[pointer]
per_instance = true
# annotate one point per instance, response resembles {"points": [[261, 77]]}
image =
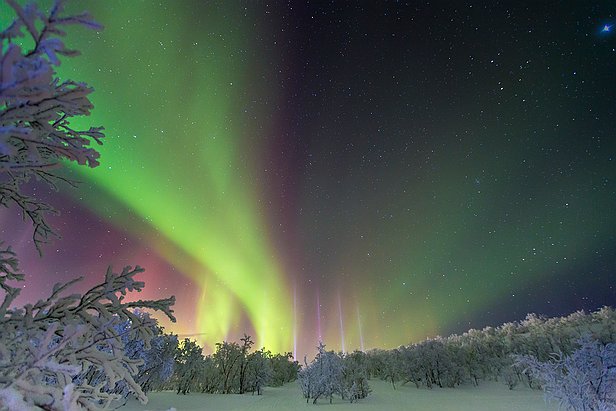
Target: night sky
{"points": [[365, 174]]}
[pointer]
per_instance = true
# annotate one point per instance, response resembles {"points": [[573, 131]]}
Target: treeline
{"points": [[234, 368], [498, 354], [489, 354], [516, 352]]}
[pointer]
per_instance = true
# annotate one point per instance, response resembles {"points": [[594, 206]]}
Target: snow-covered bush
{"points": [[582, 381], [355, 376], [386, 365], [259, 370], [46, 345], [158, 362], [208, 377], [284, 369]]}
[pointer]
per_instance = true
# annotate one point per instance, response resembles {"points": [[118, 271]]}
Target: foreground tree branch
{"points": [[35, 111]]}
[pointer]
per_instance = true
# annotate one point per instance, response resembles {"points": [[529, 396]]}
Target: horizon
{"points": [[370, 349]]}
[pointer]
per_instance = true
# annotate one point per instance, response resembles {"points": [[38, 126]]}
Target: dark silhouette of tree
{"points": [[247, 344], [227, 359], [188, 359]]}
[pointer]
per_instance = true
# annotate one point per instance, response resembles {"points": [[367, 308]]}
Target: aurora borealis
{"points": [[368, 175]]}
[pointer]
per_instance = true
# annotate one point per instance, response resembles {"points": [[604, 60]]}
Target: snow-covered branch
{"points": [[46, 345], [36, 108]]}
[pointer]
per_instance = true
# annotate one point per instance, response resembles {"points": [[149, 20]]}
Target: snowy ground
{"points": [[488, 397]]}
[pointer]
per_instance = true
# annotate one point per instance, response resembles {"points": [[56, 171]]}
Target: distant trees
{"points": [[580, 375], [355, 376], [188, 365], [488, 354], [231, 369], [283, 369], [259, 371], [586, 374]]}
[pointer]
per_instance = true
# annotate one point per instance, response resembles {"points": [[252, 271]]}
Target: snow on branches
{"points": [[44, 346], [582, 381], [331, 373], [69, 351], [36, 108]]}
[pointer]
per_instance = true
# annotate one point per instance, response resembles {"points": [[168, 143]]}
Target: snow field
{"points": [[489, 396]]}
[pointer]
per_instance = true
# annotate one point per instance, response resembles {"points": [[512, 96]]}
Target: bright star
{"points": [[607, 28]]}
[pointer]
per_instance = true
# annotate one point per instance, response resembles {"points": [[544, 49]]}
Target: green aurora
{"points": [[240, 179]]}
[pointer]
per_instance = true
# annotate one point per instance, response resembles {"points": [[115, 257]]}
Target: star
{"points": [[607, 28]]}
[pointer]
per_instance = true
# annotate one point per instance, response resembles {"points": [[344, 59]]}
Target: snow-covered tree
{"points": [[468, 350], [66, 352], [355, 376], [188, 363], [323, 377], [36, 108], [603, 324], [329, 374], [284, 369], [158, 361], [582, 381], [243, 359], [259, 370], [390, 363], [208, 377], [307, 380], [411, 366], [46, 345], [227, 359]]}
